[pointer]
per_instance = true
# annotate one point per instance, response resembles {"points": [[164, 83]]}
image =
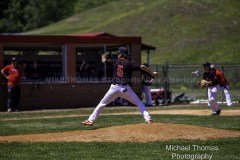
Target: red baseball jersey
{"points": [[14, 75], [221, 78]]}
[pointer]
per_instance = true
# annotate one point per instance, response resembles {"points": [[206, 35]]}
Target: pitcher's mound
{"points": [[133, 133]]}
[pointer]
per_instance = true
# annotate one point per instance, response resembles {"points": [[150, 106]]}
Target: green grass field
{"points": [[41, 122], [184, 31], [228, 149]]}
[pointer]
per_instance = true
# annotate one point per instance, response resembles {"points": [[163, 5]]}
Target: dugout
{"points": [[64, 71]]}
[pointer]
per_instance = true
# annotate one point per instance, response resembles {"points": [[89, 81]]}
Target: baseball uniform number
{"points": [[120, 71]]}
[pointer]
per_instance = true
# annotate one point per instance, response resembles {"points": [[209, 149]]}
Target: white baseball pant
{"points": [[114, 92], [227, 95], [148, 95], [212, 97]]}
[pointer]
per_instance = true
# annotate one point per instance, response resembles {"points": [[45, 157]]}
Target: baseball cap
{"points": [[123, 50], [206, 64], [212, 66]]}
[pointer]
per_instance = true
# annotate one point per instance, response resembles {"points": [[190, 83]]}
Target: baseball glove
{"points": [[204, 83]]}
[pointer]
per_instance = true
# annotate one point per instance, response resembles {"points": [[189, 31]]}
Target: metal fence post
{"points": [[105, 65], [157, 79], [165, 83], [220, 86]]}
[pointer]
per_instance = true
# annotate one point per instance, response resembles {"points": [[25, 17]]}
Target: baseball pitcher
{"points": [[122, 71]]}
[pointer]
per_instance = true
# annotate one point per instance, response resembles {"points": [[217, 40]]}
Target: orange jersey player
{"points": [[13, 74], [224, 83]]}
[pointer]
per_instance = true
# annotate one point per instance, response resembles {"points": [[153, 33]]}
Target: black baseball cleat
{"points": [[150, 121], [218, 112], [87, 123]]}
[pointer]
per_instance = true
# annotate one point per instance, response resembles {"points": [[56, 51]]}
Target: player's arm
{"points": [[3, 72], [151, 80], [214, 80], [106, 59], [148, 71]]}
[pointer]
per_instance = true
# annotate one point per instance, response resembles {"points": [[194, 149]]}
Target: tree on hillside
{"points": [[23, 15], [13, 16], [3, 5]]}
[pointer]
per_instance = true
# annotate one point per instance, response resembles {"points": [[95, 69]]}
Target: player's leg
{"points": [[148, 95], [131, 96], [209, 96], [213, 100], [227, 95], [108, 98], [16, 98], [10, 98]]}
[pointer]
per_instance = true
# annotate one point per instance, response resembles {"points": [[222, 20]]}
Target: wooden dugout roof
{"points": [[68, 39], [41, 41], [68, 45]]}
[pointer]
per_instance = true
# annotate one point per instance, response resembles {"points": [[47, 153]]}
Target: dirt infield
{"points": [[129, 133], [197, 112]]}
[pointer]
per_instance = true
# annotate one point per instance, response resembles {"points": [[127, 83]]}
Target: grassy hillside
{"points": [[184, 31]]}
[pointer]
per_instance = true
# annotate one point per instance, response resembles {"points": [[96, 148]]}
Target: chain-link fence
{"points": [[182, 78]]}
